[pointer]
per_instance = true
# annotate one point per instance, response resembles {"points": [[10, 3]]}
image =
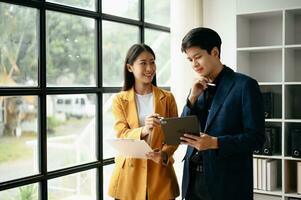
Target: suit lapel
{"points": [[223, 90], [189, 151]]}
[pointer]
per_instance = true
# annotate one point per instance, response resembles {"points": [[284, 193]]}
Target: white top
{"points": [[145, 106]]}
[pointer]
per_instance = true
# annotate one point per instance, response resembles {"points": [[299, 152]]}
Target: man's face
{"points": [[203, 64]]}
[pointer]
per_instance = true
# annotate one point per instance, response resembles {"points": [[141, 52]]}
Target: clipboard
{"points": [[130, 148], [174, 128]]}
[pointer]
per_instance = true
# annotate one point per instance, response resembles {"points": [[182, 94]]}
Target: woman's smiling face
{"points": [[143, 68]]}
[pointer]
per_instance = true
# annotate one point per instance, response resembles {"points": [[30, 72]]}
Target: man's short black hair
{"points": [[202, 37]]}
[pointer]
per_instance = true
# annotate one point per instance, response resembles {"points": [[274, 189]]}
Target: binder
{"points": [[296, 142], [259, 174], [272, 143], [271, 175], [264, 174], [268, 104], [255, 169], [299, 177], [257, 151]]}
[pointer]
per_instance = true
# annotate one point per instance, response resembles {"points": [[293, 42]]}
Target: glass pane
{"points": [[124, 8], [70, 130], [79, 186], [117, 39], [18, 137], [108, 129], [70, 50], [157, 12], [107, 173], [18, 46], [27, 192], [86, 4], [160, 43]]}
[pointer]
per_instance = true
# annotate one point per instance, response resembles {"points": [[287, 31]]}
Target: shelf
{"points": [[266, 196], [293, 46], [276, 193], [273, 120], [270, 83], [269, 50], [292, 158], [292, 83], [254, 63], [293, 120], [277, 157], [260, 49], [288, 128], [293, 63], [292, 102], [259, 29], [290, 176], [276, 100], [295, 195], [293, 26]]}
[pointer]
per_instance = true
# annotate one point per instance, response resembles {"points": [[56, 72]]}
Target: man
{"points": [[218, 163]]}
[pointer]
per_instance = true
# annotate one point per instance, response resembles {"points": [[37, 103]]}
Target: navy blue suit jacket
{"points": [[236, 118]]}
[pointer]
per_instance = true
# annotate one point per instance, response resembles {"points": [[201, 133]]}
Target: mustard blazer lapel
{"points": [[159, 101], [131, 111]]}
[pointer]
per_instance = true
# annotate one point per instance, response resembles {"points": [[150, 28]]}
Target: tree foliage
{"points": [[70, 45], [18, 45], [70, 49]]}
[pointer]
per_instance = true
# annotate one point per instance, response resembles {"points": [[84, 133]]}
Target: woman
{"points": [[137, 110]]}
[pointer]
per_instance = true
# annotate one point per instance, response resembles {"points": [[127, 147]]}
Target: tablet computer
{"points": [[174, 128]]}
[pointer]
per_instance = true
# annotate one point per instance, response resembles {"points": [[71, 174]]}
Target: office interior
{"points": [[61, 63]]}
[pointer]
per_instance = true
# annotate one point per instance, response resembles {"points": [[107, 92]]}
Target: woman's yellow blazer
{"points": [[133, 178]]}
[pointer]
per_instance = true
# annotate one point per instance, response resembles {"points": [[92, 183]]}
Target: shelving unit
{"points": [[269, 50]]}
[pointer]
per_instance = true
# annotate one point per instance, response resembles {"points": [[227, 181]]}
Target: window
{"points": [[70, 50], [116, 36], [61, 64]]}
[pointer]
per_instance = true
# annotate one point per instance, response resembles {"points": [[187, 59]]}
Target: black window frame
{"points": [[41, 91]]}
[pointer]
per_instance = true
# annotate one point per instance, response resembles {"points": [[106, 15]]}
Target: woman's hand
{"points": [[150, 123], [158, 156]]}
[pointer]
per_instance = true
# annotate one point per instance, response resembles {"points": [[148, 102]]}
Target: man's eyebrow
{"points": [[196, 54]]}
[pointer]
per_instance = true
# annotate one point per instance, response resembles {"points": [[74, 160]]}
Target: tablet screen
{"points": [[174, 128]]}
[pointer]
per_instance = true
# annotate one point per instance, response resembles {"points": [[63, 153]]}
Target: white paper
{"points": [[130, 147]]}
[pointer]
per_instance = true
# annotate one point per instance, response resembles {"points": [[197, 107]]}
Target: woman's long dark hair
{"points": [[131, 56]]}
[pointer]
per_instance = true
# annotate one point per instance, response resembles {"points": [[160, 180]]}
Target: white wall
{"points": [[185, 15], [220, 15]]}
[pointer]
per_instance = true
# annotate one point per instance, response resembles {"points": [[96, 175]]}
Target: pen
{"points": [[211, 84]]}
